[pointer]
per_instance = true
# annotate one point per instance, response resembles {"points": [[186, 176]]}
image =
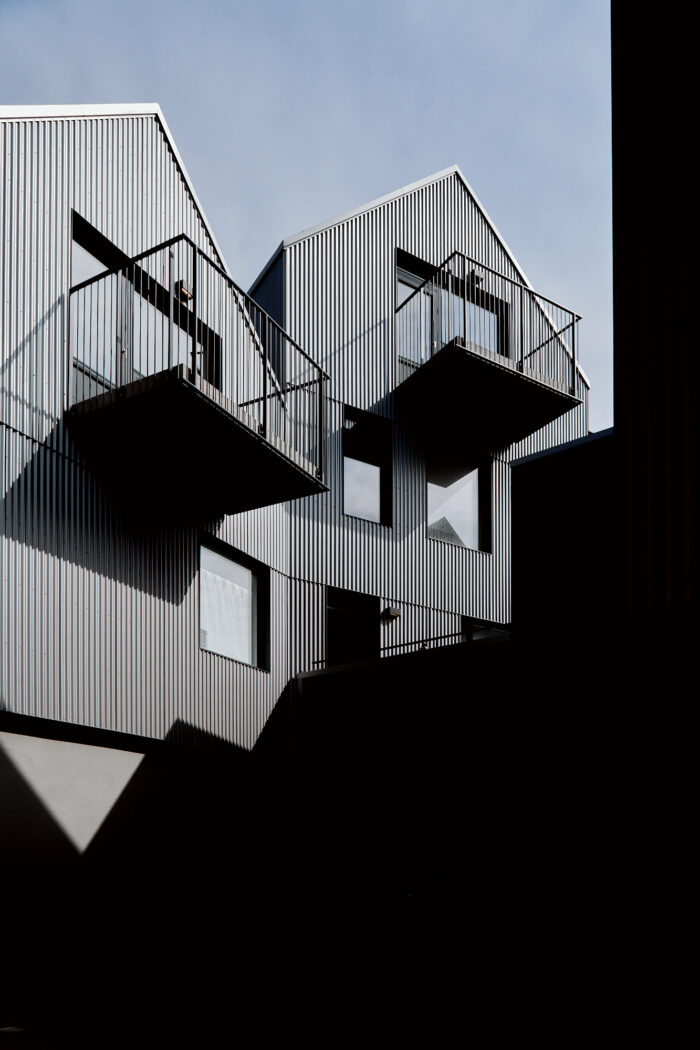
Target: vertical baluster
{"points": [[171, 258], [194, 314], [320, 427], [464, 298], [90, 289], [265, 346], [573, 354]]}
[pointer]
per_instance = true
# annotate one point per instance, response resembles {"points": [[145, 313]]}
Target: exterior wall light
{"points": [[182, 292], [391, 613]]}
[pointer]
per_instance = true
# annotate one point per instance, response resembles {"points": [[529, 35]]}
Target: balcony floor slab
{"points": [[169, 448], [466, 403]]}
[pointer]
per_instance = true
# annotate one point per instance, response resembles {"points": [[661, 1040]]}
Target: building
{"points": [[110, 501], [208, 493]]}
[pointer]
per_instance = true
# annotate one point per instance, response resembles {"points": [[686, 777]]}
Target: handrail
{"points": [[497, 313], [422, 643], [289, 389], [215, 266], [496, 273], [554, 335], [171, 305]]}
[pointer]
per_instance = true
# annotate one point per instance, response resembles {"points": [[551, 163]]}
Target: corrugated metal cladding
{"points": [[99, 626], [120, 175], [339, 304]]}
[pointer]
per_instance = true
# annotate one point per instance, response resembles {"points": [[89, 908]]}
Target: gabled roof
{"points": [[404, 191], [410, 188], [125, 109]]}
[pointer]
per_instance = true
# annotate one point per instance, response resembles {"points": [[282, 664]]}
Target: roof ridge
{"points": [[453, 170]]}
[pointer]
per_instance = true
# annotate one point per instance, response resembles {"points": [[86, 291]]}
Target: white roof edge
{"points": [[303, 234], [107, 109], [125, 109], [508, 252], [454, 169], [372, 204]]}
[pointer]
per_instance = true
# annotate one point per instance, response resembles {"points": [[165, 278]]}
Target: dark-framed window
{"points": [[416, 330], [460, 513], [411, 272], [452, 304], [234, 604], [367, 466], [91, 251], [486, 316], [152, 302]]}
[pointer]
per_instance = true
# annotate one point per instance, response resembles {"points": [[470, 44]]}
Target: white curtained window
{"points": [[227, 607]]}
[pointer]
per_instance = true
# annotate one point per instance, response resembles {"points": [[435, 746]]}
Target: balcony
{"points": [[481, 362], [186, 397]]}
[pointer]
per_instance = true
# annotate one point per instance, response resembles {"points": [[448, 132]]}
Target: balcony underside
{"points": [[466, 403], [171, 449]]}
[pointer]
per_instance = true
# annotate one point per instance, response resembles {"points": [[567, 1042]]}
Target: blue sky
{"points": [[287, 114]]}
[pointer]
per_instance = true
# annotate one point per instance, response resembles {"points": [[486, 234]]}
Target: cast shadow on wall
{"points": [[57, 506]]}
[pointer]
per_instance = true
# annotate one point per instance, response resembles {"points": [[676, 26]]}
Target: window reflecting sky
{"points": [[361, 489], [83, 265], [453, 511]]}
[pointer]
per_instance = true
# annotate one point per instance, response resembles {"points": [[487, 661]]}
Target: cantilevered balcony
{"points": [[187, 398], [481, 362]]}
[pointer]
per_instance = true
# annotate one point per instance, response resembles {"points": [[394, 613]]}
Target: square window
{"points": [[361, 489], [233, 600], [461, 513]]}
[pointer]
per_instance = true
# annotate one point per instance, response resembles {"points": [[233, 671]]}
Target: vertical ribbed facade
{"points": [[99, 622], [340, 289]]}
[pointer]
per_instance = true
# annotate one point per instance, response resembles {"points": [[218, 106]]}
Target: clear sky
{"points": [[288, 113]]}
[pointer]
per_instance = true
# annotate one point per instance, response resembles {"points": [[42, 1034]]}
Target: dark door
{"points": [[352, 626]]}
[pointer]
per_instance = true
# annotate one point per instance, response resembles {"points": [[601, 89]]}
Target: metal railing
{"points": [[172, 307], [479, 632], [491, 314]]}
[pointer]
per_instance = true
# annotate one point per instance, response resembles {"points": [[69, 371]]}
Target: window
{"points": [[362, 489], [233, 606], [367, 466], [406, 284], [96, 366], [460, 513], [451, 304], [144, 297], [482, 326], [415, 331], [83, 264]]}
